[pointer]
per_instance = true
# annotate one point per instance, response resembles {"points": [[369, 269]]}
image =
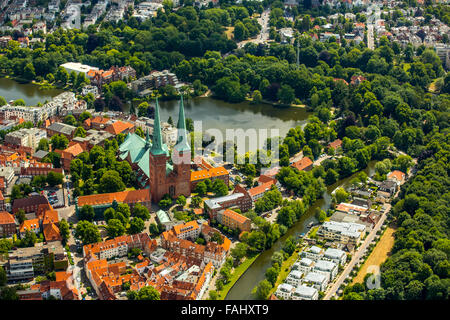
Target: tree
{"points": [[200, 188], [54, 178], [43, 145], [286, 94], [64, 229], [111, 182], [70, 120], [181, 200], [115, 228], [262, 289], [87, 213], [29, 239], [148, 293], [137, 225], [239, 251], [59, 142], [9, 293], [140, 211], [219, 188], [80, 132], [3, 278], [272, 275], [29, 72], [20, 215], [321, 216], [331, 177], [341, 195]]}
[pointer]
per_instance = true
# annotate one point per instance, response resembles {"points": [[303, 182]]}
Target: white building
{"points": [[314, 253], [337, 256], [294, 278], [303, 292], [78, 67], [284, 291], [317, 280], [26, 137], [304, 265], [343, 232], [327, 268]]}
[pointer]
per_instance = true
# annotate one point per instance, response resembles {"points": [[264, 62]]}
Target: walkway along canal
{"points": [[255, 273]]}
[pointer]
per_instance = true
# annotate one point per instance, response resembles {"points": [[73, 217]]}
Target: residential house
{"points": [[7, 224], [314, 253], [316, 280], [234, 220], [303, 292], [304, 164]]}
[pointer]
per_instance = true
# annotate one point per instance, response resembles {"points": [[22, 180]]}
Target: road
{"points": [[263, 37], [373, 13], [356, 257]]}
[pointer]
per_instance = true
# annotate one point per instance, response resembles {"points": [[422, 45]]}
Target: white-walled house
{"points": [[303, 292]]}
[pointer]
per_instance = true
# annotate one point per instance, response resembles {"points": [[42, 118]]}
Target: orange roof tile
{"points": [[29, 225], [208, 173], [188, 226], [74, 149], [119, 127], [6, 218], [235, 216], [121, 197], [396, 174], [261, 188], [302, 163], [51, 232]]}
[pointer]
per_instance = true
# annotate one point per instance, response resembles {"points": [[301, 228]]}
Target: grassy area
{"points": [[238, 272], [313, 232], [285, 269], [229, 32], [379, 254]]}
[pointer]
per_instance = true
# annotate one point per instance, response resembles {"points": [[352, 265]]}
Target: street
{"points": [[263, 20], [355, 258]]}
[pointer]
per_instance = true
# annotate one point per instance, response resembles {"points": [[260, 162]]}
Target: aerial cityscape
{"points": [[224, 150]]}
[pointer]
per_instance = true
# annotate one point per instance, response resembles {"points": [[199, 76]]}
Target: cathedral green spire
{"points": [[182, 140], [147, 140], [157, 145]]}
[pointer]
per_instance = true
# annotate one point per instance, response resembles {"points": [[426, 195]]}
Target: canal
{"points": [[31, 93], [256, 272]]}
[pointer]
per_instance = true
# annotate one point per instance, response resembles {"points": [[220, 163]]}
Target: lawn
{"points": [[285, 269], [229, 32], [237, 273], [379, 254]]}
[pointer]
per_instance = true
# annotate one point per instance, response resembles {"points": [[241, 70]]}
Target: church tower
{"points": [[158, 158], [181, 157]]}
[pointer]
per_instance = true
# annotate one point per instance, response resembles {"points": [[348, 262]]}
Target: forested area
{"points": [[418, 267]]}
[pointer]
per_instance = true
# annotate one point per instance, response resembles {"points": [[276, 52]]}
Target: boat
{"points": [[310, 224]]}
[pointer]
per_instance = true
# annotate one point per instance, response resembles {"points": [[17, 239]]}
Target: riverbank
{"points": [[284, 270], [238, 272]]}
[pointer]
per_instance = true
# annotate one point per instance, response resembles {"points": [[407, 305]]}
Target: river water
{"points": [[29, 92], [253, 275]]}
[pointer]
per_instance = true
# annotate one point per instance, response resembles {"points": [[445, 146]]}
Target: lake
{"points": [[29, 92], [223, 115]]}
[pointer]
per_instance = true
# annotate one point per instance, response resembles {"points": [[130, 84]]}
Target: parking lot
{"points": [[55, 197]]}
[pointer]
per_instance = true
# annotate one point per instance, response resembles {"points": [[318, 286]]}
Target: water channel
{"points": [[255, 273]]}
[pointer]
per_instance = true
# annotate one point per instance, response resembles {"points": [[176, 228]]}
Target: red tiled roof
{"points": [[121, 197], [302, 163], [119, 127], [208, 173], [6, 218]]}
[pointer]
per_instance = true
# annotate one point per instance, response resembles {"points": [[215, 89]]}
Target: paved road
{"points": [[356, 257], [263, 37]]}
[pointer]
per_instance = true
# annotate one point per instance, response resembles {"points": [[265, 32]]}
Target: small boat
{"points": [[310, 224]]}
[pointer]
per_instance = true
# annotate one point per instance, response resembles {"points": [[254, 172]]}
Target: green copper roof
{"points": [[158, 147], [182, 141]]}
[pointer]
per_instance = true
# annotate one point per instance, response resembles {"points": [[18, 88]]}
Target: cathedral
{"points": [[155, 167]]}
